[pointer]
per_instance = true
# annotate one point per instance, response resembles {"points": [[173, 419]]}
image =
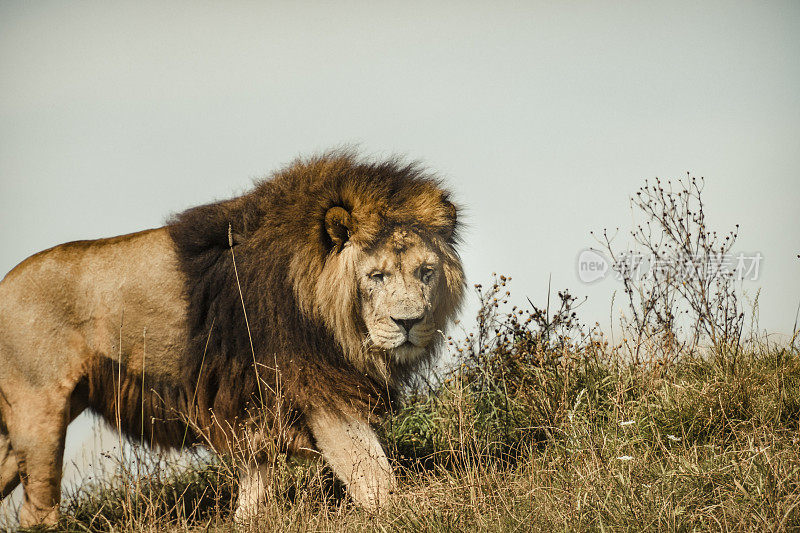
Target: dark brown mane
{"points": [[280, 247]]}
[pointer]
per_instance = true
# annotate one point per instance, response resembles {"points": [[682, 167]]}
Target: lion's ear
{"points": [[339, 225], [451, 216]]}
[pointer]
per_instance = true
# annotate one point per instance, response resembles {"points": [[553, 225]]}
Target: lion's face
{"points": [[384, 292], [397, 285]]}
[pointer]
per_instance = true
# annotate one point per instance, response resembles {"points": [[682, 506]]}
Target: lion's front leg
{"points": [[253, 479], [351, 448]]}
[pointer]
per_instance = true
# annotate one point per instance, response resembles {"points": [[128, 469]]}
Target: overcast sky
{"points": [[544, 117]]}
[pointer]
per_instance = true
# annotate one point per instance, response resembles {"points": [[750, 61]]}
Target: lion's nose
{"points": [[406, 323]]}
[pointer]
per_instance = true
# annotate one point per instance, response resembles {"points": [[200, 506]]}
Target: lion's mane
{"points": [[303, 333]]}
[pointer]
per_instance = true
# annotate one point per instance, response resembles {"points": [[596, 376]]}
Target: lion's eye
{"points": [[425, 274], [377, 276]]}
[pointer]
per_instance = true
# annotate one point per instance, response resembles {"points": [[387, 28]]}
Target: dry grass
{"points": [[529, 432]]}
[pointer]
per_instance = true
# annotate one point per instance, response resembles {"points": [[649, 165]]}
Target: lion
{"points": [[288, 318]]}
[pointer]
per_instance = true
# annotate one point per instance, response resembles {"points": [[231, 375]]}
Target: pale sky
{"points": [[544, 117]]}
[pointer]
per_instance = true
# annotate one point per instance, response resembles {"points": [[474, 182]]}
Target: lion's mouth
{"points": [[407, 352], [405, 343]]}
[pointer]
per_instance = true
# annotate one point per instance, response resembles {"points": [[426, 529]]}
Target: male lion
{"points": [[288, 316]]}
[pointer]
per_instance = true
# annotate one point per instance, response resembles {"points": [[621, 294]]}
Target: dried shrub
{"points": [[688, 292]]}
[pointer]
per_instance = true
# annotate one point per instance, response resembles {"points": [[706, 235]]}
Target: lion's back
{"points": [[76, 300]]}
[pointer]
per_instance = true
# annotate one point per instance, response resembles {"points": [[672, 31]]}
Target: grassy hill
{"points": [[532, 429]]}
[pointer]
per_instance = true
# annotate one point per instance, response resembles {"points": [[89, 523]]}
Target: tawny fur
{"points": [[149, 329]]}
